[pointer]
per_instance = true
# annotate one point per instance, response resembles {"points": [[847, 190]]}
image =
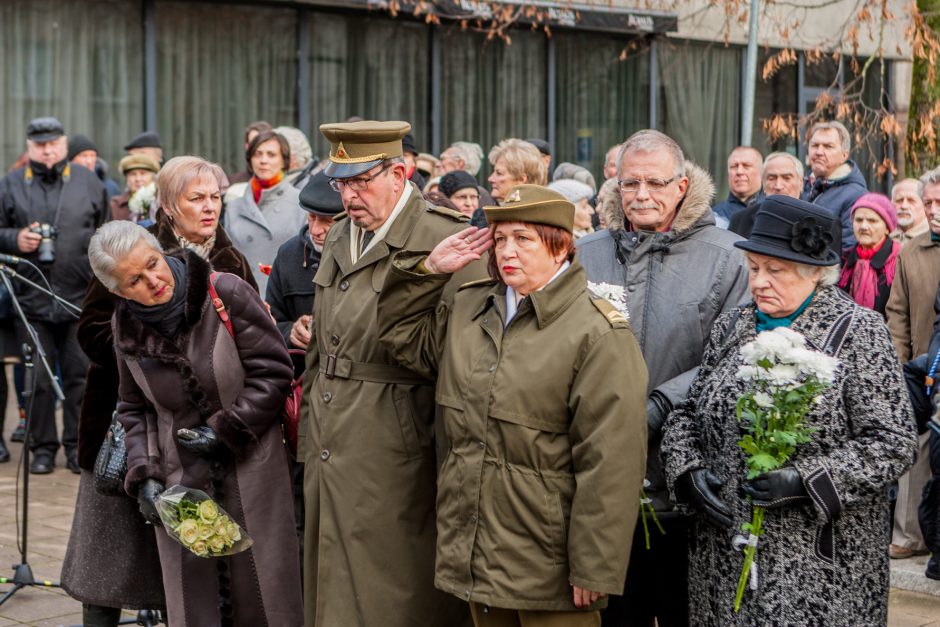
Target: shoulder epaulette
{"points": [[449, 213], [613, 315], [477, 283]]}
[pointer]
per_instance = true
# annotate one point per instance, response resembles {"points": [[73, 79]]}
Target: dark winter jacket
{"points": [[96, 339], [673, 285], [837, 194], [821, 561], [728, 208], [235, 383], [290, 287], [73, 200]]}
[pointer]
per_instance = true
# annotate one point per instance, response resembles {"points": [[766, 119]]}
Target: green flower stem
{"points": [[757, 522], [647, 505]]}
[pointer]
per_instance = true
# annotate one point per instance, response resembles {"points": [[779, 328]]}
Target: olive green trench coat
{"points": [[546, 417], [367, 441]]}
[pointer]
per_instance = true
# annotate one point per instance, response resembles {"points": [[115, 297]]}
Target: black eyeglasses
{"points": [[359, 184]]}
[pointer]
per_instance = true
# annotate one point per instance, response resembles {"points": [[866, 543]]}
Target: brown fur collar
{"points": [[697, 202]]}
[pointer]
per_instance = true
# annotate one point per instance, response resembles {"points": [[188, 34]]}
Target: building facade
{"points": [[582, 77]]}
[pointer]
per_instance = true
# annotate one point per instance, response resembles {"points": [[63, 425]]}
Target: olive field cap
{"points": [[357, 147], [534, 204]]}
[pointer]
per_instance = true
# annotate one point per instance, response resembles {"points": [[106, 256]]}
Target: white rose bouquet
{"points": [[197, 522], [784, 379], [141, 201]]}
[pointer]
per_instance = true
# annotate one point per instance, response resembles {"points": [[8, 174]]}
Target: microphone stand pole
{"points": [[22, 572]]}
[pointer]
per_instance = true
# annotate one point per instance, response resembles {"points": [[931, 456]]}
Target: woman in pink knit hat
{"points": [[868, 269]]}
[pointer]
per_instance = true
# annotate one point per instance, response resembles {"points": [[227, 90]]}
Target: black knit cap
{"points": [[79, 144], [148, 139], [453, 182], [408, 144], [792, 229], [317, 197]]}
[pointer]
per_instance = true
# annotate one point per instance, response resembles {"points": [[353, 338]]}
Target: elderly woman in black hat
{"points": [[822, 557], [542, 389]]}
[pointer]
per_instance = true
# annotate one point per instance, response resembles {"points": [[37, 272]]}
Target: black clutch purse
{"points": [[111, 464]]}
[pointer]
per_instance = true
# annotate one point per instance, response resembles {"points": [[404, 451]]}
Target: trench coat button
{"points": [[473, 518], [324, 454], [250, 238], [492, 369], [631, 288], [327, 397], [481, 444], [467, 594], [344, 285], [334, 340]]}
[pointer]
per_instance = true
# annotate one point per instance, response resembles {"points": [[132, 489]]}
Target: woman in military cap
{"points": [[534, 499]]}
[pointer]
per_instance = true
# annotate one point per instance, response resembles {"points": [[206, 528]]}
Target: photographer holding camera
{"points": [[48, 212]]}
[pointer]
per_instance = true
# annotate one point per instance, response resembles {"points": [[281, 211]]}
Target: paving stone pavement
{"points": [[52, 501]]}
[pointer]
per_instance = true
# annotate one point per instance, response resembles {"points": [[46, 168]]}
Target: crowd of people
{"points": [[519, 398]]}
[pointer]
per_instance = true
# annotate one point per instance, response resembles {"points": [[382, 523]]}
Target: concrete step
{"points": [[908, 574]]}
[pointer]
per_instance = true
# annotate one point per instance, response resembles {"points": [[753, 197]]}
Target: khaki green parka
{"points": [[367, 441], [546, 419]]}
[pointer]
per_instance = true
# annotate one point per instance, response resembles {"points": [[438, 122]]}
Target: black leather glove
{"points": [[657, 409], [205, 443], [696, 488], [147, 499], [775, 489]]}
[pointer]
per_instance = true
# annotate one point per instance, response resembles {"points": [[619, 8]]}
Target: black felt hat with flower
{"points": [[792, 229]]}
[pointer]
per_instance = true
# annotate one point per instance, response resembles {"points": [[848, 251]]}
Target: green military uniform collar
{"points": [[549, 302]]}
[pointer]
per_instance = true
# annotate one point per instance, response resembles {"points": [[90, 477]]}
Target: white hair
{"points": [[824, 275], [470, 153], [797, 164], [648, 141], [844, 136], [931, 177], [300, 150], [917, 183], [111, 243]]}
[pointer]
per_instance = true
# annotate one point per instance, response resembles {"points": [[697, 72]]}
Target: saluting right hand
{"points": [[457, 251]]}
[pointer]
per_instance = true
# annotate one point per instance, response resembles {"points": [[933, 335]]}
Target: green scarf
{"points": [[767, 323]]}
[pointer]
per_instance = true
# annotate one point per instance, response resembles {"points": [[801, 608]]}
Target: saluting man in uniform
{"points": [[367, 432]]}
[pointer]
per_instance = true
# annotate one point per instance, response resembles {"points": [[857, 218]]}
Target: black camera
{"points": [[47, 246]]}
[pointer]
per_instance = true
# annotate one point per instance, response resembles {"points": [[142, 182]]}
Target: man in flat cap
{"points": [[49, 210], [146, 143], [367, 432]]}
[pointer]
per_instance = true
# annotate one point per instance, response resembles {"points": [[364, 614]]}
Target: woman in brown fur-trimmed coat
{"points": [[180, 368], [103, 579]]}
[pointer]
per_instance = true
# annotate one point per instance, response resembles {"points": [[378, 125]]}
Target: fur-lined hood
{"points": [[697, 202]]}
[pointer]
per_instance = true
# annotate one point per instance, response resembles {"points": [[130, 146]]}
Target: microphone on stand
{"points": [[10, 259]]}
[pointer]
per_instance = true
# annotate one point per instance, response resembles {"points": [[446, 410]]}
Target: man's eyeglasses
{"points": [[359, 184], [632, 186]]}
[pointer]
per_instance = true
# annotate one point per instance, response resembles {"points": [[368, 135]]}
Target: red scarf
{"points": [[257, 185], [862, 279]]}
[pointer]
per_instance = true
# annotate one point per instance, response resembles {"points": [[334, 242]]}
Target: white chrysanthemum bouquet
{"points": [[141, 201], [197, 522], [784, 379]]}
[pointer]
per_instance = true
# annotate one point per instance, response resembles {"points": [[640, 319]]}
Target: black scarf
{"points": [[167, 318]]}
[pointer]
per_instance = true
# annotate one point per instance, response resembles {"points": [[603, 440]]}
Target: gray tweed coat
{"points": [[824, 562]]}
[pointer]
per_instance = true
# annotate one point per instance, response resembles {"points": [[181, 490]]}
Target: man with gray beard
{"points": [[912, 217], [671, 271]]}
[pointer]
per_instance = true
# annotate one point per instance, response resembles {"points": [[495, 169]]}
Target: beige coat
{"points": [[367, 440], [547, 423], [910, 307]]}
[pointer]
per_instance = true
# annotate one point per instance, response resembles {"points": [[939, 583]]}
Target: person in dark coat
{"points": [[84, 152], [835, 181], [182, 367], [71, 202], [821, 557], [290, 289], [102, 579], [744, 181], [868, 268], [928, 511], [410, 155]]}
